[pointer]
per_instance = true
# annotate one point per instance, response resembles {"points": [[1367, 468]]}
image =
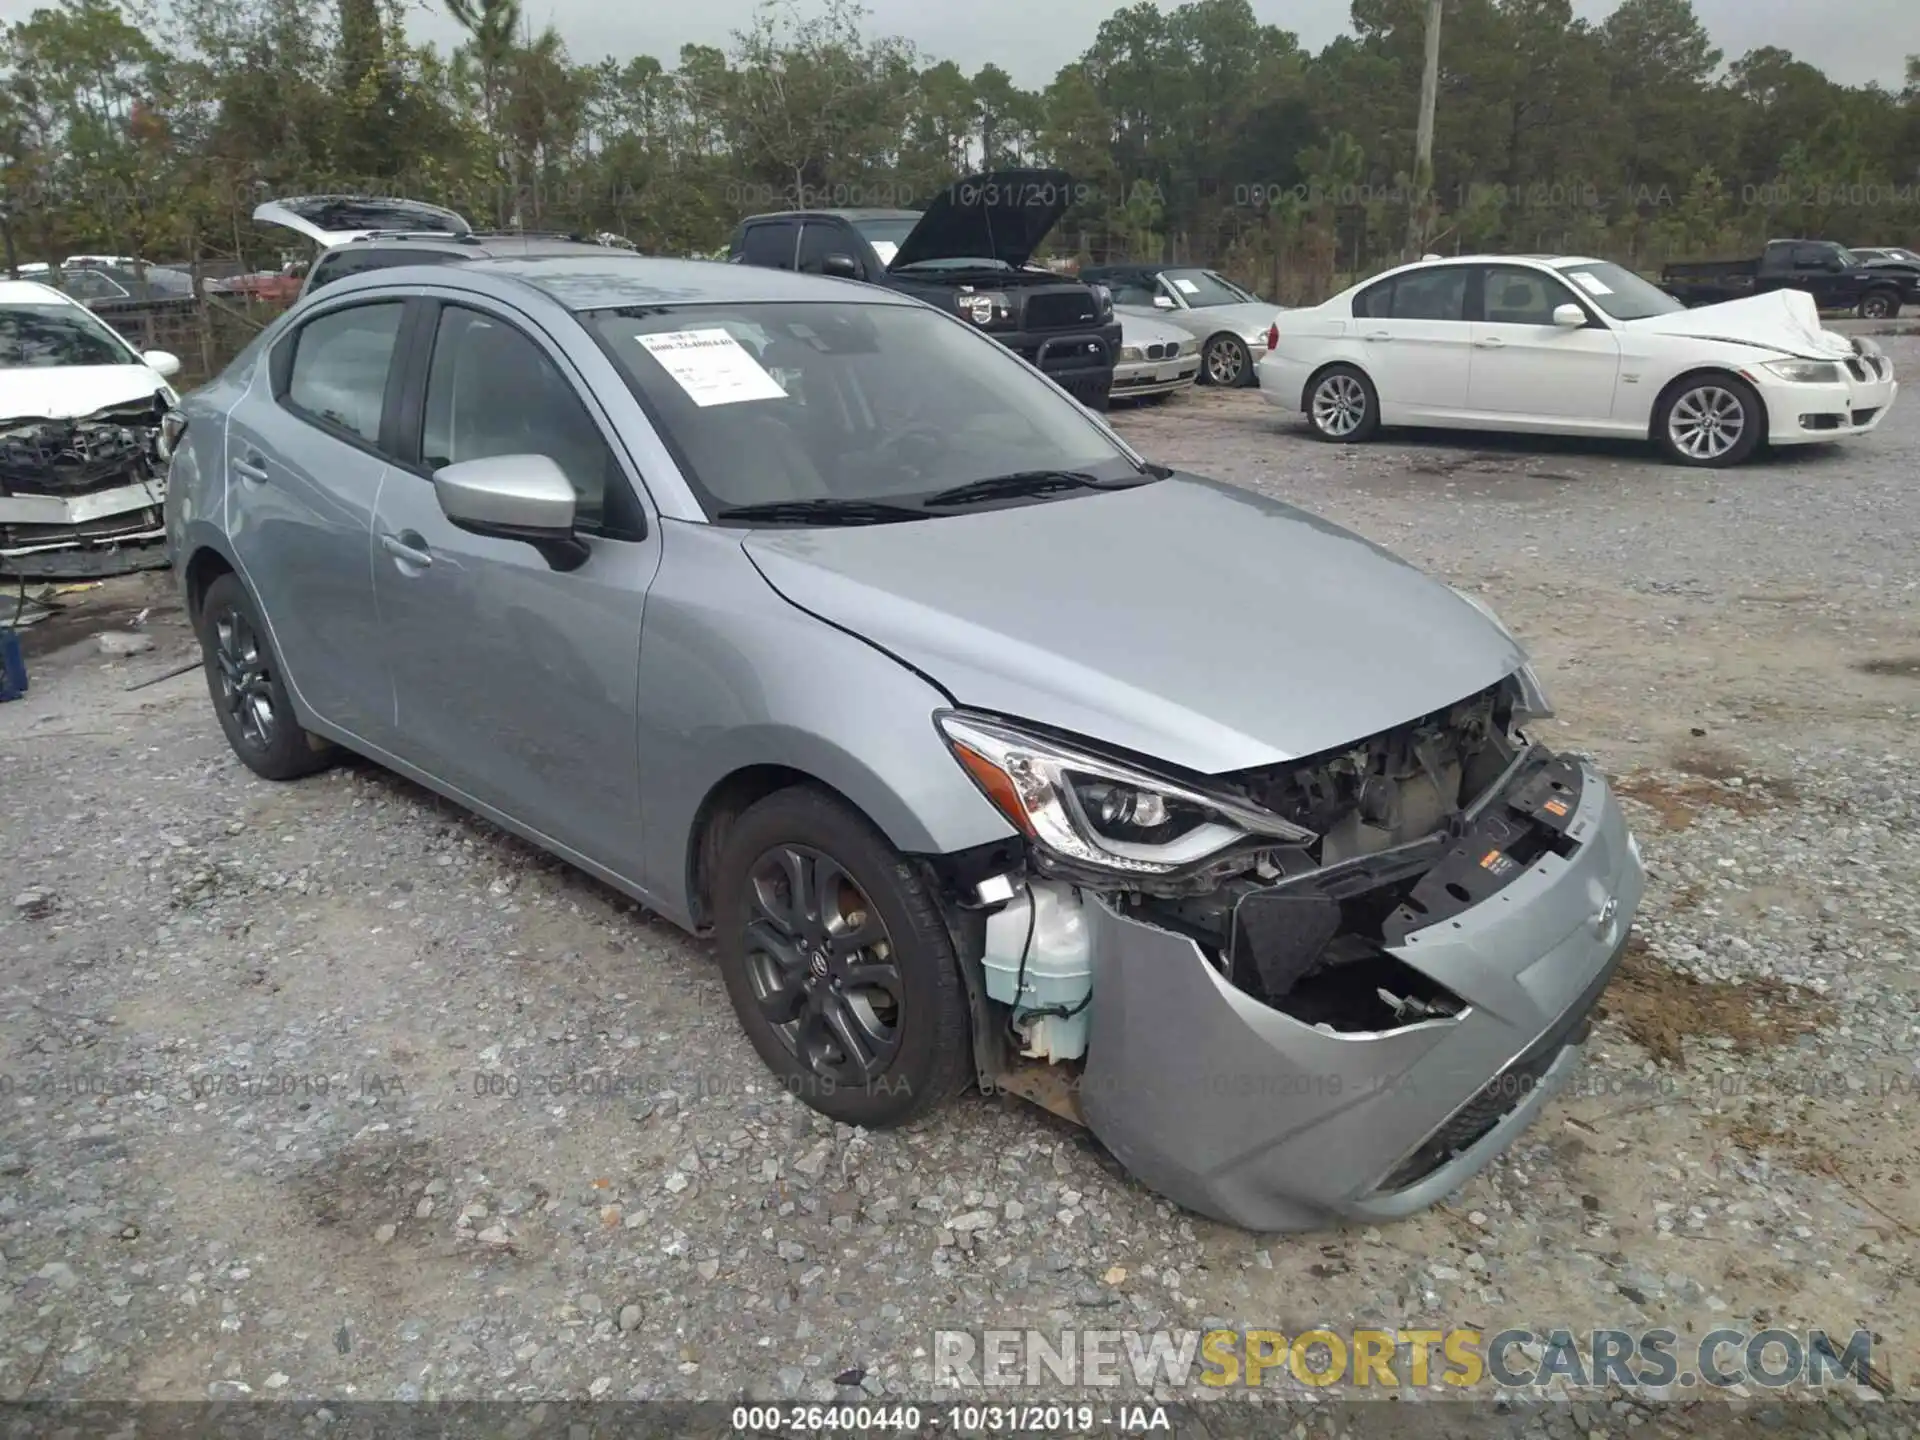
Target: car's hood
{"points": [[1195, 623], [67, 392], [1786, 321], [1147, 328], [336, 219], [1001, 215]]}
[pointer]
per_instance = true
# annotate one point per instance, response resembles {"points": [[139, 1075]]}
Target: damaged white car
{"points": [[83, 440]]}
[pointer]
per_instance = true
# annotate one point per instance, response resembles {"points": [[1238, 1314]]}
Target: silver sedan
{"points": [[988, 751], [1230, 322]]}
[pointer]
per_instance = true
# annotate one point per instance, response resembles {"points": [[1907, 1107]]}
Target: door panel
{"points": [[1527, 368], [301, 496], [515, 682], [1416, 342]]}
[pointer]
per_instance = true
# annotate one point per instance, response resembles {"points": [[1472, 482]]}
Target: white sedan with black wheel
{"points": [[1572, 346]]}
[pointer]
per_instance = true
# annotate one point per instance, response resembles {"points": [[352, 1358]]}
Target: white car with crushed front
{"points": [[1574, 346]]}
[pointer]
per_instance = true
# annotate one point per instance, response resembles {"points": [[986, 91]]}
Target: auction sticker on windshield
{"points": [[711, 366], [1592, 284], [1185, 286]]}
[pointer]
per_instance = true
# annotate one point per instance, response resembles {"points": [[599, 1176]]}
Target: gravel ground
{"points": [[285, 1107]]}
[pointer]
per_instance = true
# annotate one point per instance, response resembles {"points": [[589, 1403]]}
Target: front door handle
{"points": [[1491, 342], [1378, 335], [251, 467], [409, 548]]}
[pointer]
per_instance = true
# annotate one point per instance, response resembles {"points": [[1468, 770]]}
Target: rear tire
{"points": [[249, 696], [839, 962], [1342, 406], [1709, 422], [1227, 362]]}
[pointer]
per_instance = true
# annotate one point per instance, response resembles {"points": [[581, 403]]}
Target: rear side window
{"points": [[340, 365], [770, 243], [1439, 294]]}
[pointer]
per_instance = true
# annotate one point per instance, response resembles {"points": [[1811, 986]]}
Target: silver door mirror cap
{"points": [[514, 497]]}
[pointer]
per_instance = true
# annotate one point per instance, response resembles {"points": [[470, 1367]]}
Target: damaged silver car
{"points": [[989, 751], [83, 440]]}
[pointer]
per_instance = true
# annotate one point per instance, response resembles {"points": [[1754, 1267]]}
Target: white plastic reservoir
{"points": [[1047, 924]]}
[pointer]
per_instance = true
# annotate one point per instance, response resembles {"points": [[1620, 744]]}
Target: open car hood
{"points": [[1786, 321], [336, 219], [1193, 623], [1001, 215]]}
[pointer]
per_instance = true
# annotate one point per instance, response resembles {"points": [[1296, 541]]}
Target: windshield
{"points": [[887, 236], [46, 337], [1201, 288], [1620, 292], [844, 403]]}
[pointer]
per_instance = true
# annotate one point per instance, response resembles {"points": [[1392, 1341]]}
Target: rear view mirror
{"points": [[1569, 317], [844, 266], [514, 497]]}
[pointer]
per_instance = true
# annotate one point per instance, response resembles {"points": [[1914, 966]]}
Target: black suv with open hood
{"points": [[968, 252]]}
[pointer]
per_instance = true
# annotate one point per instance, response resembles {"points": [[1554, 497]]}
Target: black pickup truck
{"points": [[1835, 277], [968, 253]]}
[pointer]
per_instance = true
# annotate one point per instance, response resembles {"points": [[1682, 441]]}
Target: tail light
{"points": [[1273, 336]]}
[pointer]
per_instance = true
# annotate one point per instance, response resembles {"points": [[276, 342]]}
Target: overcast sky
{"points": [[1855, 42]]}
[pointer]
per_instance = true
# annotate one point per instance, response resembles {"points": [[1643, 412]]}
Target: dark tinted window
{"points": [[1811, 257], [1130, 289], [1437, 294], [35, 337], [340, 364], [492, 391], [92, 285], [820, 239], [338, 264], [1376, 301], [1512, 295], [769, 244]]}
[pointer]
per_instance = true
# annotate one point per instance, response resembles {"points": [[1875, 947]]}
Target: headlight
{"points": [[1805, 372], [1190, 346], [1530, 701], [1098, 812], [1131, 352], [1102, 299]]}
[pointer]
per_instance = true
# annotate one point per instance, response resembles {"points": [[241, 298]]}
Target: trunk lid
{"points": [[335, 219]]}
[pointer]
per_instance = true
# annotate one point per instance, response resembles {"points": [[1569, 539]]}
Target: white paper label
{"points": [[711, 366], [1185, 286], [1592, 284], [886, 250]]}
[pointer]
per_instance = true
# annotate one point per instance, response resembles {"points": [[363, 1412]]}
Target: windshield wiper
{"points": [[1021, 482], [823, 511]]}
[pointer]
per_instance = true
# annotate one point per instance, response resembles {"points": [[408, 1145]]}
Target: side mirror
{"points": [[514, 497], [1163, 302], [844, 266], [163, 363], [1834, 262], [1569, 317]]}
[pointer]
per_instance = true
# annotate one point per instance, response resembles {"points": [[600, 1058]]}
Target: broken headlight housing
{"points": [[1101, 813]]}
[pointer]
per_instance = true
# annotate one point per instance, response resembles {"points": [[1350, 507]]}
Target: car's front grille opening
{"points": [[1060, 311]]}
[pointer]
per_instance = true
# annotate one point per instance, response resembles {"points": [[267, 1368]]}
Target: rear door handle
{"points": [[1491, 342], [251, 467], [410, 548], [1378, 335]]}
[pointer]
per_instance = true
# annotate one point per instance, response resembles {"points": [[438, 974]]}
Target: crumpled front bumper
{"points": [[1243, 1113], [99, 532]]}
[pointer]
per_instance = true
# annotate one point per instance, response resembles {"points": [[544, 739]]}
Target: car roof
{"points": [[32, 292], [599, 278], [854, 214]]}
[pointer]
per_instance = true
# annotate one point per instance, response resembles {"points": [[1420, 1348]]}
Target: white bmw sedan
{"points": [[1574, 346]]}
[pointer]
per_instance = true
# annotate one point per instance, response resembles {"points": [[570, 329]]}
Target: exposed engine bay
{"points": [[83, 496], [1405, 829]]}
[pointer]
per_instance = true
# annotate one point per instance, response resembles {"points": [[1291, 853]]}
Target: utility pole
{"points": [[1423, 139]]}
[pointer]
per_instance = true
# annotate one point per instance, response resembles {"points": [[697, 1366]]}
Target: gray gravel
{"points": [[328, 1089]]}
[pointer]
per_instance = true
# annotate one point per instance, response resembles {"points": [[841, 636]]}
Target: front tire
{"points": [[1342, 406], [1709, 421], [1227, 362], [839, 962], [1879, 305], [249, 694]]}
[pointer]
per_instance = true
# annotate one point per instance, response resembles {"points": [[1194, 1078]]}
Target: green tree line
{"points": [[1196, 134]]}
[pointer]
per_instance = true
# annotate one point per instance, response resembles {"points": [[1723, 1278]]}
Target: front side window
{"points": [[340, 365], [45, 337], [818, 240], [767, 403], [1130, 290], [1513, 295], [492, 391]]}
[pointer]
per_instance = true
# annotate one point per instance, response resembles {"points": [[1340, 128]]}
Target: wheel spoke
{"points": [[764, 937], [861, 1046], [873, 975]]}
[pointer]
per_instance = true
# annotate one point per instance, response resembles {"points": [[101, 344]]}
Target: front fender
{"points": [[734, 676]]}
